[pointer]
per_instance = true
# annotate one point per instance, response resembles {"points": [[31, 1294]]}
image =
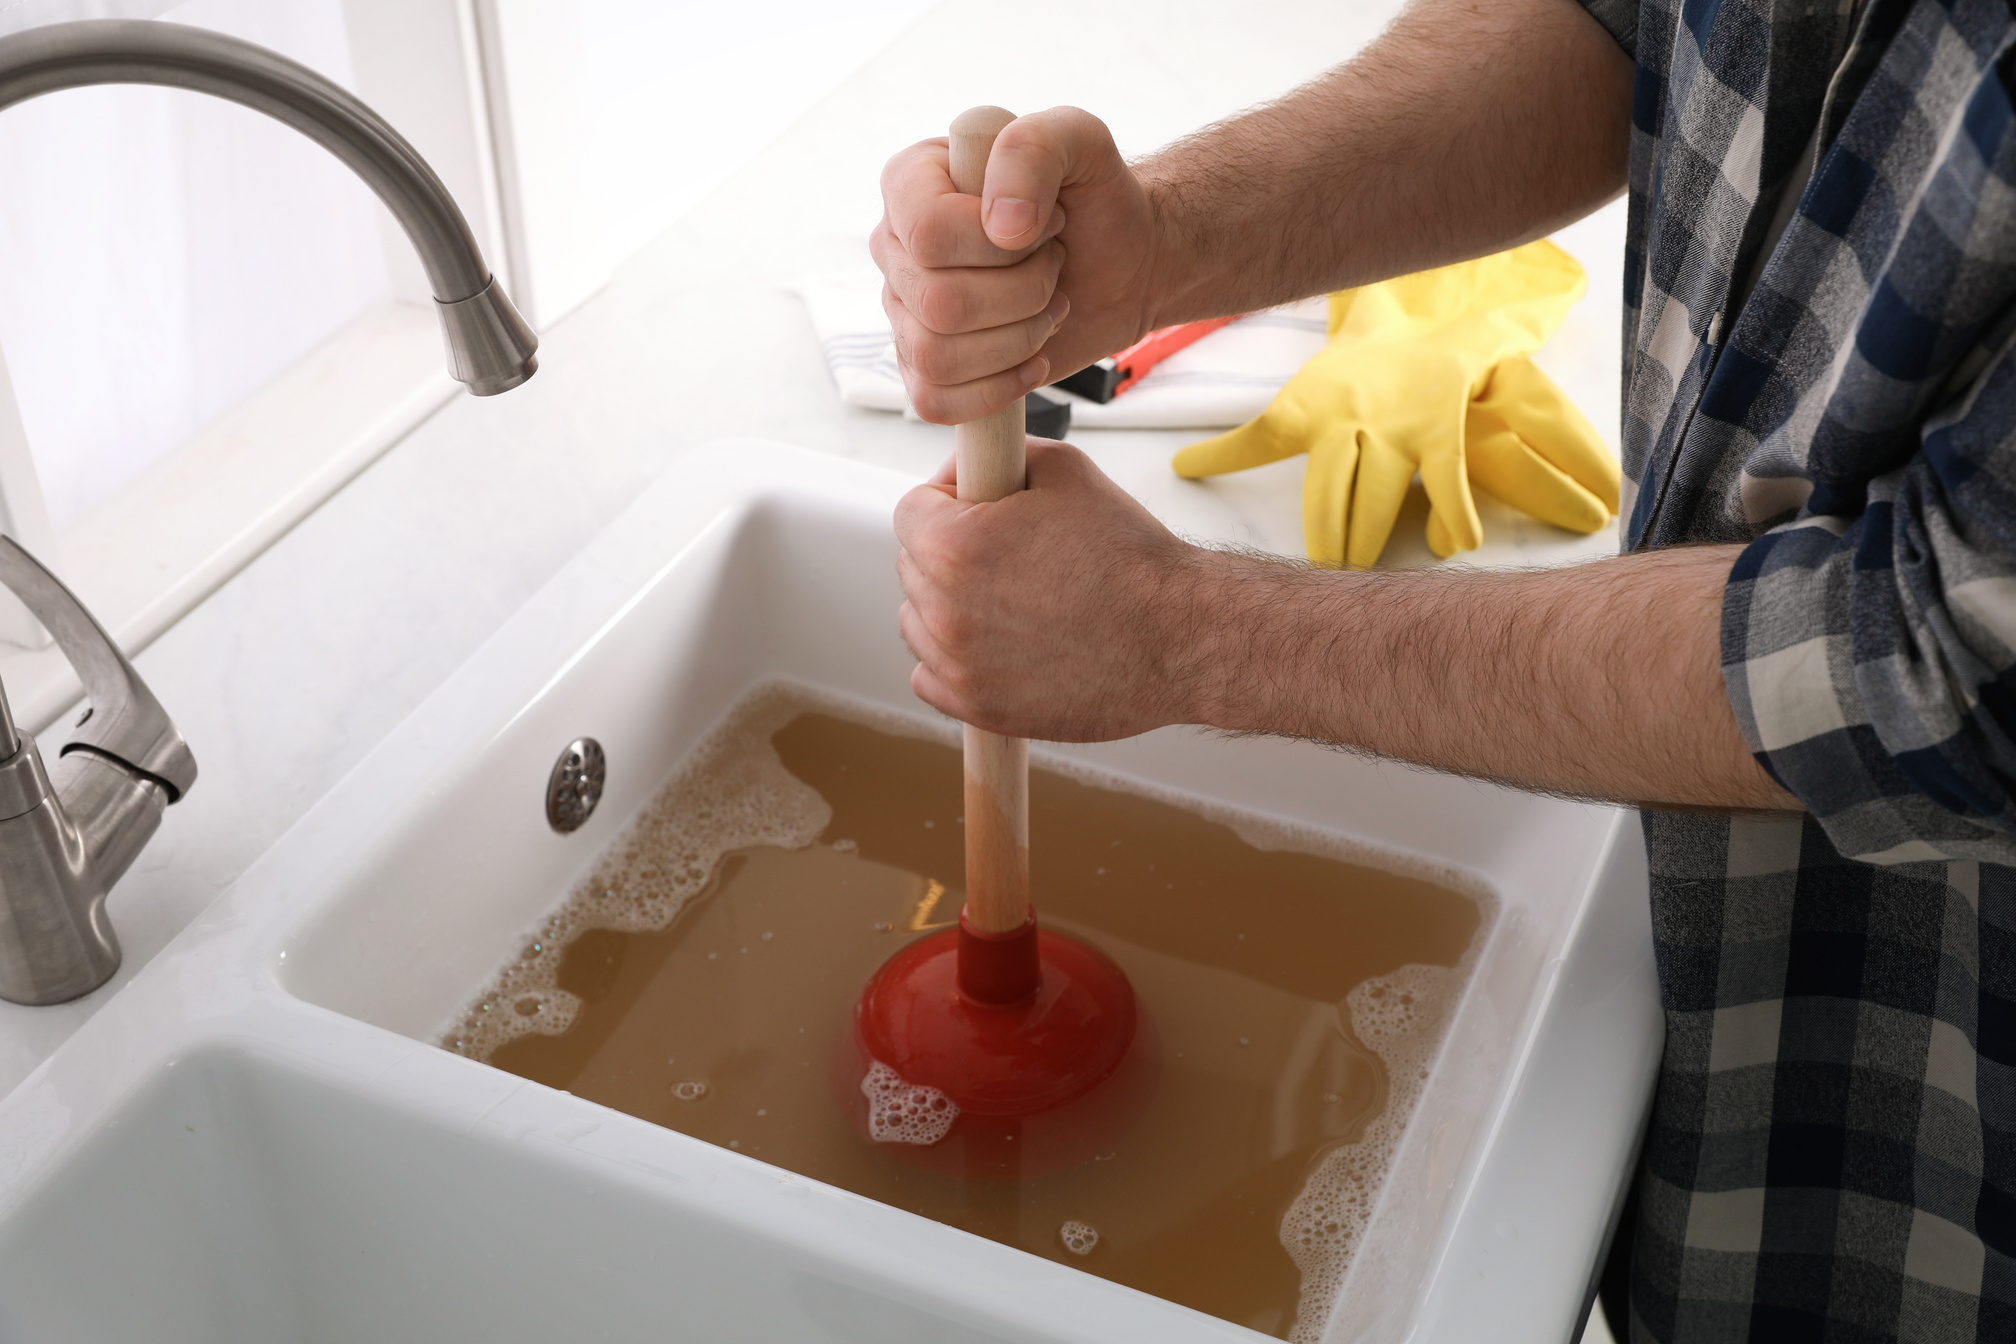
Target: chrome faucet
{"points": [[68, 833], [71, 830]]}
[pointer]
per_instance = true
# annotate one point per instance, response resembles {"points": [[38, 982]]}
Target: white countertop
{"points": [[292, 671]]}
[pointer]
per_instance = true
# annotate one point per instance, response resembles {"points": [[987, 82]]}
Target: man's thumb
{"points": [[1034, 158]]}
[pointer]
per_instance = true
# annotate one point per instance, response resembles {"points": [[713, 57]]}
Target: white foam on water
{"points": [[733, 792], [1400, 1018], [900, 1111]]}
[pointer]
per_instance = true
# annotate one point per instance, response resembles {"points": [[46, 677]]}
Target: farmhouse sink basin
{"points": [[257, 1140]]}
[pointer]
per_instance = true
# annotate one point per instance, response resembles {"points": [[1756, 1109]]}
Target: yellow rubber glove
{"points": [[1393, 393], [1527, 444]]}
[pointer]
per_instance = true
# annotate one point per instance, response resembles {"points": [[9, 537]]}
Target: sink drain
{"points": [[575, 785]]}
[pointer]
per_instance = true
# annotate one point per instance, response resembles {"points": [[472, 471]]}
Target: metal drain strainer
{"points": [[575, 785]]}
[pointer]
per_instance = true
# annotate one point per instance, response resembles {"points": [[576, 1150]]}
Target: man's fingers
{"points": [[968, 341], [971, 317], [916, 631], [1033, 159], [948, 231], [916, 635], [953, 300], [937, 225], [925, 679], [925, 685], [960, 402], [922, 593], [932, 223], [932, 678], [923, 507], [946, 360]]}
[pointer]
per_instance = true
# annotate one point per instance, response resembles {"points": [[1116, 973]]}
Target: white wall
{"points": [[624, 113]]}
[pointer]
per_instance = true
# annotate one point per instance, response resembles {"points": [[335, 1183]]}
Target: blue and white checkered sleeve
{"points": [[1871, 659]]}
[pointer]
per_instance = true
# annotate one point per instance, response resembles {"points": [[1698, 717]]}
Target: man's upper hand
{"points": [[979, 288]]}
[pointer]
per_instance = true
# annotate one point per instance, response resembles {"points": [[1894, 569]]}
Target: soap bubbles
{"points": [[732, 793], [905, 1112], [1399, 1018]]}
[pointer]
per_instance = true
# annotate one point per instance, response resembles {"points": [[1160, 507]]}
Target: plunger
{"points": [[1010, 1022]]}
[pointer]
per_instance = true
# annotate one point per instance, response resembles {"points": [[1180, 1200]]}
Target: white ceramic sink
{"points": [[253, 1141]]}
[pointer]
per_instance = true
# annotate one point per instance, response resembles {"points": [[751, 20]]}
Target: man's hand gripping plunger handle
{"points": [[992, 464]]}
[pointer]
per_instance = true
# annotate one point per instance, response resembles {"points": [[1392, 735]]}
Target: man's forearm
{"points": [[1599, 681], [1469, 127], [1067, 612]]}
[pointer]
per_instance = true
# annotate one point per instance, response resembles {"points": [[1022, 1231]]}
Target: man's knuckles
{"points": [[961, 680], [916, 634], [944, 302], [935, 403], [947, 233], [919, 512], [950, 626], [915, 176], [969, 552], [958, 403], [926, 687], [951, 360], [939, 360]]}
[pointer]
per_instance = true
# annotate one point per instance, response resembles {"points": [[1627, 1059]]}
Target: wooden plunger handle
{"points": [[991, 465]]}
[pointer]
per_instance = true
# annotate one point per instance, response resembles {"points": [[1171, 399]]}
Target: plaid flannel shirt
{"points": [[1833, 1146]]}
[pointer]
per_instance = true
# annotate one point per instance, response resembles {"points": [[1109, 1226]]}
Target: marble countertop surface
{"points": [[292, 671]]}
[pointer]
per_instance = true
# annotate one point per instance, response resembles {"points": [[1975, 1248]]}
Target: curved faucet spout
{"points": [[490, 347]]}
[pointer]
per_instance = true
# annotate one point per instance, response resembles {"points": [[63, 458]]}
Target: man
{"points": [[1800, 667]]}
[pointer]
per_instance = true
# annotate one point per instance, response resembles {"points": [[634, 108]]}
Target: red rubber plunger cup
{"points": [[1004, 1024], [1006, 1021]]}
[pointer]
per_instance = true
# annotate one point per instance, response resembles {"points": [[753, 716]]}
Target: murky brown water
{"points": [[1291, 1000]]}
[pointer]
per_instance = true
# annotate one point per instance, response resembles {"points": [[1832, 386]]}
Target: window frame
{"points": [[205, 510]]}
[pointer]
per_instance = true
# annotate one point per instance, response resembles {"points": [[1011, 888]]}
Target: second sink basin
{"points": [[247, 1196]]}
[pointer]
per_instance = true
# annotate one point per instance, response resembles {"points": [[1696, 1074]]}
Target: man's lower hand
{"points": [[1064, 612]]}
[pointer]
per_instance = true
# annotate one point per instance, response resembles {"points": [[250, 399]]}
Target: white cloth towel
{"points": [[1223, 380]]}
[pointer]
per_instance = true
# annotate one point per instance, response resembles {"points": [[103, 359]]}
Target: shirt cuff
{"points": [[1840, 688]]}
